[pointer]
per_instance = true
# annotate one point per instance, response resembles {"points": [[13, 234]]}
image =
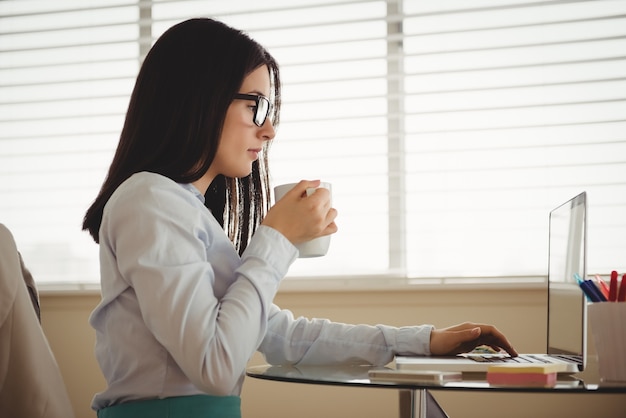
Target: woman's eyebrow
{"points": [[256, 92]]}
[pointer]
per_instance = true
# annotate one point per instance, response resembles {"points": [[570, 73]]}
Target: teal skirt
{"points": [[196, 406]]}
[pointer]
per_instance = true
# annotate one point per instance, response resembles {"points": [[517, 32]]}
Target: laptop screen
{"points": [[567, 256]]}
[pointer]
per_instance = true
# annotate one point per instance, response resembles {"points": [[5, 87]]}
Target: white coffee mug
{"points": [[316, 247]]}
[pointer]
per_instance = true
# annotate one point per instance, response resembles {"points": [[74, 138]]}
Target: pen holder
{"points": [[608, 326]]}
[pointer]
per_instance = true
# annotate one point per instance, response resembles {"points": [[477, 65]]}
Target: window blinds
{"points": [[67, 69], [448, 129], [510, 111]]}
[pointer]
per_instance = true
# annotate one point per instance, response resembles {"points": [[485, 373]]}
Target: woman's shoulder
{"points": [[146, 188], [146, 178], [147, 182]]}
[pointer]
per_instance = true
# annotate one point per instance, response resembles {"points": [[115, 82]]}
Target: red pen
{"points": [[613, 287], [621, 296], [604, 288]]}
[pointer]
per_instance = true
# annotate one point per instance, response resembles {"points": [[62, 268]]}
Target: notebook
{"points": [[566, 319]]}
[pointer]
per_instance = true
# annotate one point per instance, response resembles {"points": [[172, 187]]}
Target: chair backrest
{"points": [[31, 287], [31, 384]]}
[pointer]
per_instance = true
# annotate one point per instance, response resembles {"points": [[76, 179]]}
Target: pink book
{"points": [[522, 376], [522, 379]]}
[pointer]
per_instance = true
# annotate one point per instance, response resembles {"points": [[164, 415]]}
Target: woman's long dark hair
{"points": [[175, 118]]}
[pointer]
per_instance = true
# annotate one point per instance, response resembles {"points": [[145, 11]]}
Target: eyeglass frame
{"points": [[257, 98]]}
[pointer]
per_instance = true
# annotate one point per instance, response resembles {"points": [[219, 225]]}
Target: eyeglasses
{"points": [[262, 108]]}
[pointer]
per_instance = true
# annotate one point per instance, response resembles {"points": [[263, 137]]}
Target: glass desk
{"points": [[415, 398]]}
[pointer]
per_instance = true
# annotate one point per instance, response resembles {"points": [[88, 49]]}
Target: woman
{"points": [[185, 305]]}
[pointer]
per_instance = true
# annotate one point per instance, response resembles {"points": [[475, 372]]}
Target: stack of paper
{"points": [[413, 376], [523, 375]]}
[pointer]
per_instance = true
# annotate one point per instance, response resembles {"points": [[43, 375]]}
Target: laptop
{"points": [[566, 319]]}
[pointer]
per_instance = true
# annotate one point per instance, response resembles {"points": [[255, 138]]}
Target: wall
{"points": [[519, 312]]}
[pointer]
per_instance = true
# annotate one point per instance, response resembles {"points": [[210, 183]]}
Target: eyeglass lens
{"points": [[262, 110]]}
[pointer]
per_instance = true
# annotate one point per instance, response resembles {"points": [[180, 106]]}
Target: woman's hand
{"points": [[465, 337], [300, 217]]}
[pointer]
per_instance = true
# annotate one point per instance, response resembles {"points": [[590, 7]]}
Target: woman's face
{"points": [[242, 141]]}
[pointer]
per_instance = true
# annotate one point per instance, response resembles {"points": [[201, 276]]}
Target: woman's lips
{"points": [[255, 152]]}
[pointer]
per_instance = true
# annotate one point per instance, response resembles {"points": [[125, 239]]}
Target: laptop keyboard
{"points": [[499, 359]]}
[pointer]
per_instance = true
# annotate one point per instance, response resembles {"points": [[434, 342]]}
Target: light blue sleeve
{"points": [[317, 341]]}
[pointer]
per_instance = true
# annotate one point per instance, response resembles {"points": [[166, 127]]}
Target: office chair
{"points": [[31, 385]]}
